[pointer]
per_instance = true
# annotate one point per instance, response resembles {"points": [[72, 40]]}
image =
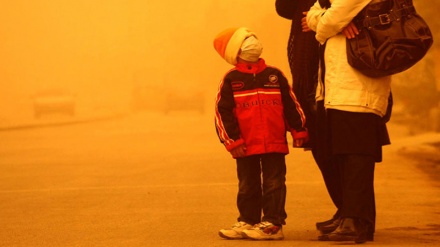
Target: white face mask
{"points": [[251, 49]]}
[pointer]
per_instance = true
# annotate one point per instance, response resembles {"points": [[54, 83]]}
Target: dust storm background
{"points": [[123, 56]]}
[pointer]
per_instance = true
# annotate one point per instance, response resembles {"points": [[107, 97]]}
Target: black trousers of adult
{"points": [[262, 188], [321, 153], [356, 141], [357, 186]]}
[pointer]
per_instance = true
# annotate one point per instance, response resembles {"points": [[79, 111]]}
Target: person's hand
{"points": [[239, 151], [350, 31], [305, 27], [298, 142]]}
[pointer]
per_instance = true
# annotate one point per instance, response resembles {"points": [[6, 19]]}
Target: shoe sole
{"points": [[327, 229], [342, 238], [229, 238], [338, 239], [264, 238], [323, 223]]}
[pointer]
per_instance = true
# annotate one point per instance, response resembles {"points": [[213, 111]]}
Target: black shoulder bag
{"points": [[392, 38]]}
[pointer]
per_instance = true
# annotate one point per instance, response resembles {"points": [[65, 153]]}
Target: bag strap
{"points": [[402, 3], [401, 9]]}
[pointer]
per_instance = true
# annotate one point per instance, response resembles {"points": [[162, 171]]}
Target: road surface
{"points": [[165, 180]]}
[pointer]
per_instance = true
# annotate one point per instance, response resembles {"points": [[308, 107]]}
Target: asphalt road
{"points": [[164, 180]]}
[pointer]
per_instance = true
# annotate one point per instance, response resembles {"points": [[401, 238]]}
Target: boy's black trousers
{"points": [[262, 188]]}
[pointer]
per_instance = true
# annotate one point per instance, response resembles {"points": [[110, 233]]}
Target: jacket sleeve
{"points": [[314, 15], [286, 8], [225, 121], [293, 112], [338, 16]]}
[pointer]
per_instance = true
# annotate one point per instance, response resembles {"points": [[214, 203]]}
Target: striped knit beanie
{"points": [[228, 43]]}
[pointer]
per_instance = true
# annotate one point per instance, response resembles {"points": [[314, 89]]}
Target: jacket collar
{"points": [[252, 68]]}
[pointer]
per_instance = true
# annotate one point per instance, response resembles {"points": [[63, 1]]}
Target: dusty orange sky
{"points": [[100, 48]]}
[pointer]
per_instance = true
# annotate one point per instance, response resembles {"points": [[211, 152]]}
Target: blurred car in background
{"points": [[194, 101], [53, 102], [167, 100]]}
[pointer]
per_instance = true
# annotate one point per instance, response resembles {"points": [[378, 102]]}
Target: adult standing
{"points": [[357, 108], [303, 56]]}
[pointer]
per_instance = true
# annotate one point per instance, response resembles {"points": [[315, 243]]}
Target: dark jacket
{"points": [[302, 50], [255, 106]]}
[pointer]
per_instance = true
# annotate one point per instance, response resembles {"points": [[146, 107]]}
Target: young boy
{"points": [[255, 106]]}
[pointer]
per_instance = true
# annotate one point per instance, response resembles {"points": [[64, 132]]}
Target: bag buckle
{"points": [[384, 19]]}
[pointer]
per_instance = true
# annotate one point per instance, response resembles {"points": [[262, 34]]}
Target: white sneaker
{"points": [[235, 231], [264, 231]]}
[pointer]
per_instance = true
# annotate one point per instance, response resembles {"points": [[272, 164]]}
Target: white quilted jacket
{"points": [[345, 88]]}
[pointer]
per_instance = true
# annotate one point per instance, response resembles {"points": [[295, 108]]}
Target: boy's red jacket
{"points": [[255, 106]]}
